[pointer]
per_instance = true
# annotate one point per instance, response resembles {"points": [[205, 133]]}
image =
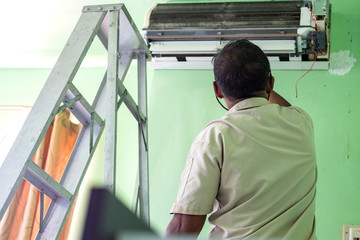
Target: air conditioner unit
{"points": [[291, 33]]}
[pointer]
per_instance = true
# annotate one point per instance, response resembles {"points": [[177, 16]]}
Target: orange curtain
{"points": [[22, 218]]}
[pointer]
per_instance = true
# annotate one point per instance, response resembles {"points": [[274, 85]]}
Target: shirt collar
{"points": [[249, 103]]}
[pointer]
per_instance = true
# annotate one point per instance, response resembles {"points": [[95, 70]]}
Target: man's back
{"points": [[268, 172]]}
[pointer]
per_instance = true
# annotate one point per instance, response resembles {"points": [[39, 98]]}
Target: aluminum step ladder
{"points": [[117, 32]]}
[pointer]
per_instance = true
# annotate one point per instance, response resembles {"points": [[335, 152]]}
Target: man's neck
{"points": [[230, 102]]}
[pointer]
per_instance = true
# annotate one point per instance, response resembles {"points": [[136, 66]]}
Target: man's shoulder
{"points": [[299, 112], [212, 130]]}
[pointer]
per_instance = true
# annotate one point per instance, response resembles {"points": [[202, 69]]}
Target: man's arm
{"points": [[276, 98], [182, 224]]}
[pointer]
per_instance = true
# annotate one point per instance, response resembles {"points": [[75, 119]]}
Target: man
{"points": [[254, 169]]}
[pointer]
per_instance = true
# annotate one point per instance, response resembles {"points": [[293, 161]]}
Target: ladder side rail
{"points": [[111, 109], [143, 141], [41, 115], [100, 98], [99, 102]]}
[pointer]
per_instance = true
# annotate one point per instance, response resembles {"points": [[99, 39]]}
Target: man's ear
{"points": [[270, 85], [217, 90]]}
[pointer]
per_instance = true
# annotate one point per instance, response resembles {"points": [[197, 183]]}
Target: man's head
{"points": [[241, 70]]}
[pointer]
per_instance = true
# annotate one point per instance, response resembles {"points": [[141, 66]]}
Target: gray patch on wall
{"points": [[341, 63]]}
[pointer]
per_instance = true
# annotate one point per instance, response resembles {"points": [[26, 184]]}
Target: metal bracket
{"points": [[137, 200], [92, 132], [69, 103], [141, 127], [121, 100], [103, 8], [41, 211]]}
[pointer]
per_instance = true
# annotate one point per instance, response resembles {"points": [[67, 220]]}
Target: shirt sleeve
{"points": [[308, 123], [201, 176], [302, 112]]}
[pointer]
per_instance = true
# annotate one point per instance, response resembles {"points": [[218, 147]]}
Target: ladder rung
{"points": [[44, 182], [81, 108]]}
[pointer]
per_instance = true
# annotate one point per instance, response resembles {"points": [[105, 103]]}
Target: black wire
{"points": [[221, 104]]}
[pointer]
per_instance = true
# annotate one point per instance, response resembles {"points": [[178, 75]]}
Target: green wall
{"points": [[181, 102]]}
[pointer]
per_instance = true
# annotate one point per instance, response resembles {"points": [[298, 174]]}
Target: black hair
{"points": [[241, 68]]}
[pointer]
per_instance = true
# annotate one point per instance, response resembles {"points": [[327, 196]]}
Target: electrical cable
{"points": [[312, 48], [221, 104]]}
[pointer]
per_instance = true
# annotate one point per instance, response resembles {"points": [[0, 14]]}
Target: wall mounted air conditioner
{"points": [[291, 33]]}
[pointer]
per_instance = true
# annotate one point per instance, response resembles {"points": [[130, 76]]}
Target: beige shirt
{"points": [[255, 171]]}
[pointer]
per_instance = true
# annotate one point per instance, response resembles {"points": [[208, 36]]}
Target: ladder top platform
{"points": [[130, 42]]}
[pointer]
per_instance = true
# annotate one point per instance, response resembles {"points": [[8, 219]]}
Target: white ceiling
{"points": [[33, 33]]}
